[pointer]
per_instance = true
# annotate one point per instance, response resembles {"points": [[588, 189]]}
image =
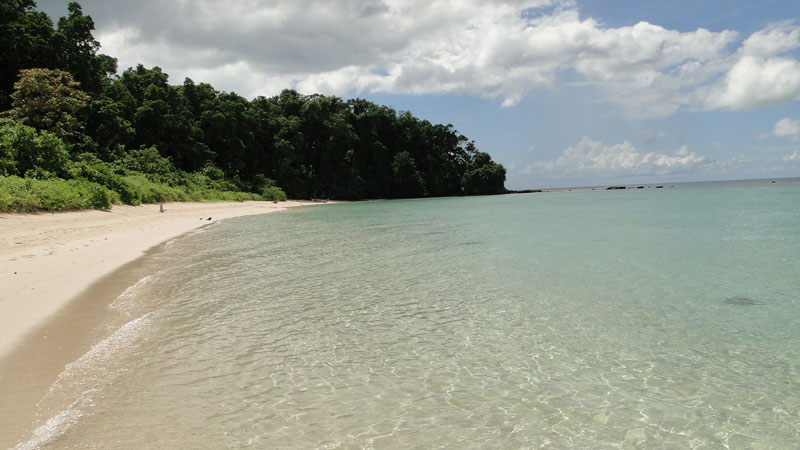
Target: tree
{"points": [[77, 50], [407, 180], [484, 176], [49, 100], [164, 116], [28, 39], [107, 125]]}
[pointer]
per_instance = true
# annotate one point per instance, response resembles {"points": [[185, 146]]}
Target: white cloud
{"points": [[501, 49], [756, 82], [772, 41], [758, 76], [793, 157], [785, 128], [593, 158]]}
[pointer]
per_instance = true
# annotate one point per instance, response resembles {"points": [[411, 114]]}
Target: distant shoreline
{"points": [[664, 185]]}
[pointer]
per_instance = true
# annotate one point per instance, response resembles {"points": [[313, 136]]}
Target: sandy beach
{"points": [[46, 259]]}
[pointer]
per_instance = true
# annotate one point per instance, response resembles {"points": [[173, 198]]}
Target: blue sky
{"points": [[562, 92]]}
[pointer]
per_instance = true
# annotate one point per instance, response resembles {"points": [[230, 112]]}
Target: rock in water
{"points": [[741, 301]]}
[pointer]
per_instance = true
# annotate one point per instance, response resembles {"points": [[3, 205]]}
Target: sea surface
{"points": [[644, 318]]}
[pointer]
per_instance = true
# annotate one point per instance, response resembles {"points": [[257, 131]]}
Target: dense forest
{"points": [[72, 127]]}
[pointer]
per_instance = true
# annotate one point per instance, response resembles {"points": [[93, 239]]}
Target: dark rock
{"points": [[740, 301]]}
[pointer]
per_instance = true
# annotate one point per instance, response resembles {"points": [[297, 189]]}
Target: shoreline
{"points": [[47, 259]]}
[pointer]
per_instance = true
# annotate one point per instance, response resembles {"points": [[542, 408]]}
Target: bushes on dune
{"points": [[273, 194], [39, 170], [26, 195], [37, 173], [96, 186], [35, 154], [108, 176], [152, 192], [148, 160]]}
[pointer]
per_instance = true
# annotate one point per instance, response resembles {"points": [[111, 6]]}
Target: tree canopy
{"points": [[48, 100], [53, 79]]}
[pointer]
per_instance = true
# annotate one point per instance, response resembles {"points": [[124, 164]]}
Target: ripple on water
{"points": [[394, 334]]}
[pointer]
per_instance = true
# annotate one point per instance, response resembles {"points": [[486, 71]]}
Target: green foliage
{"points": [[150, 191], [99, 197], [213, 172], [26, 195], [148, 160], [24, 150], [484, 176], [273, 194], [8, 153], [48, 100], [107, 176], [310, 146], [143, 140], [78, 50], [259, 182], [29, 39], [191, 187], [110, 129], [26, 40], [407, 180]]}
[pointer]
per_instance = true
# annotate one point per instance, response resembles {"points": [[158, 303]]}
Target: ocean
{"points": [[639, 318]]}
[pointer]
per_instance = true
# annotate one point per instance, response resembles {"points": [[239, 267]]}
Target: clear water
{"points": [[647, 318]]}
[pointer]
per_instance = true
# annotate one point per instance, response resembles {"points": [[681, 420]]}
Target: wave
{"points": [[91, 369], [59, 424], [123, 302]]}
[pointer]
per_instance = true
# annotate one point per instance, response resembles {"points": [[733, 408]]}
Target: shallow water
{"points": [[590, 319]]}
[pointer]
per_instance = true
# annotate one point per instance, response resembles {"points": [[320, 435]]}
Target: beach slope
{"points": [[48, 258]]}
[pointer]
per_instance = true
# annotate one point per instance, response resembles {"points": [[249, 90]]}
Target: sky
{"points": [[561, 92]]}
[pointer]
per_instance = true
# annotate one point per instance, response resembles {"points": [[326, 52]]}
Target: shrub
{"points": [[96, 197], [273, 193], [151, 191], [260, 181], [149, 161], [8, 153], [213, 172], [22, 149], [25, 195], [104, 174]]}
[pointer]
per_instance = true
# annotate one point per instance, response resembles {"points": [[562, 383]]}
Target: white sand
{"points": [[46, 259]]}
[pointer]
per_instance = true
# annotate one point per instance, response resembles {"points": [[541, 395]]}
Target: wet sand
{"points": [[59, 272], [46, 259]]}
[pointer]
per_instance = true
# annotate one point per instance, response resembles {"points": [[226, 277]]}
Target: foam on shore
{"points": [[91, 369]]}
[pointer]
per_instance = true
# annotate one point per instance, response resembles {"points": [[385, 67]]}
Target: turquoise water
{"points": [[655, 318]]}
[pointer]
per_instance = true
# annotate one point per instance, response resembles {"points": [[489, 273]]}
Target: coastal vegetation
{"points": [[74, 134]]}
